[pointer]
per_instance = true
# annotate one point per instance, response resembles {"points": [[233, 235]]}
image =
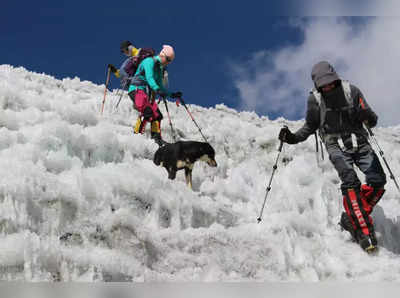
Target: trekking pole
{"points": [[191, 116], [169, 119], [316, 148], [372, 136], [322, 150], [270, 181], [123, 88], [105, 90], [119, 99]]}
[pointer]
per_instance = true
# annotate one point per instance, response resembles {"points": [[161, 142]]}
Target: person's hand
{"points": [[112, 68], [176, 94], [367, 117], [285, 135], [364, 115]]}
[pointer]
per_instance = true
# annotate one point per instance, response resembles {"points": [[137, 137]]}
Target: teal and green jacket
{"points": [[149, 73]]}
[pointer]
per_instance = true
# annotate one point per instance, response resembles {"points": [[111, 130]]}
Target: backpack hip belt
{"points": [[346, 141]]}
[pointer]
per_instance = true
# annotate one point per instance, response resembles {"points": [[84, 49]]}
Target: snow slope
{"points": [[81, 200]]}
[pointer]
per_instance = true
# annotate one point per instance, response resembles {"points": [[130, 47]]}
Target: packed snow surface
{"points": [[81, 200]]}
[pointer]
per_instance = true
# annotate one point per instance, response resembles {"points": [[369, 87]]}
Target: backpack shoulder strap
{"points": [[321, 106], [346, 89], [347, 92], [317, 96]]}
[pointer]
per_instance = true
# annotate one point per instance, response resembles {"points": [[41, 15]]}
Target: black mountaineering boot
{"points": [[346, 224], [372, 236], [365, 242]]}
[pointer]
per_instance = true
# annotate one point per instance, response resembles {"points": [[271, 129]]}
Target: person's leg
{"points": [[155, 129], [140, 102], [368, 162], [343, 163], [156, 125], [371, 192], [140, 125], [355, 213]]}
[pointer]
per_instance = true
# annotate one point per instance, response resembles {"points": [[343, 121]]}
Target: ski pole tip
{"points": [[259, 220]]}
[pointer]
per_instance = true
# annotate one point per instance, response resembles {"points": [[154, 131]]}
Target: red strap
{"points": [[346, 207], [357, 211]]}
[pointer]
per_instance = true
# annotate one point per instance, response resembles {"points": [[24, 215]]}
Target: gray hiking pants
{"points": [[364, 158]]}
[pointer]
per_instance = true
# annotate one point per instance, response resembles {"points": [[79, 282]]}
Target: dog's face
{"points": [[208, 155]]}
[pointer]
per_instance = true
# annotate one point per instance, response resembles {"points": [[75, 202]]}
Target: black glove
{"points": [[285, 135], [176, 94], [112, 68], [366, 115]]}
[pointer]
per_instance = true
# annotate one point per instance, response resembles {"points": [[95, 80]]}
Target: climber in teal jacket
{"points": [[150, 73], [145, 85]]}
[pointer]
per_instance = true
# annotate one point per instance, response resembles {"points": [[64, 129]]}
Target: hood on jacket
{"points": [[323, 73]]}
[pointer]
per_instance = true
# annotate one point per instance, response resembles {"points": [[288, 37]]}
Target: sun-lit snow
{"points": [[81, 200]]}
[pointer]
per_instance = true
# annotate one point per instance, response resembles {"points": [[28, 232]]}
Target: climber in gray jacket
{"points": [[339, 110]]}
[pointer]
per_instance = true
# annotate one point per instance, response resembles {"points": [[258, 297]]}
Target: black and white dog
{"points": [[182, 155]]}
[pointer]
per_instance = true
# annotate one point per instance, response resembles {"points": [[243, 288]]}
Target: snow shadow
{"points": [[388, 230]]}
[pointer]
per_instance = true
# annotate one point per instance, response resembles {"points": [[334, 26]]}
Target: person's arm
{"points": [[309, 127], [363, 111], [312, 120], [122, 72]]}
